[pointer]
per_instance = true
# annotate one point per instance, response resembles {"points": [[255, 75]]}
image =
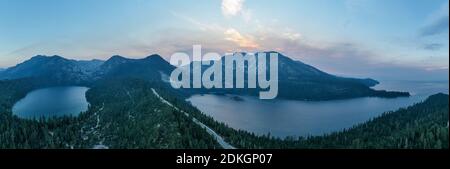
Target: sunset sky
{"points": [[390, 39]]}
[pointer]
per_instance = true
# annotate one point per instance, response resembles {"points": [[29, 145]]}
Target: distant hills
{"points": [[297, 80]]}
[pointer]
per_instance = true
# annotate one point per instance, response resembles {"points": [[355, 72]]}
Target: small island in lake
{"points": [[237, 98]]}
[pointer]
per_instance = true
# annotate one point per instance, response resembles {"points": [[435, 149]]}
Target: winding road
{"points": [[210, 131]]}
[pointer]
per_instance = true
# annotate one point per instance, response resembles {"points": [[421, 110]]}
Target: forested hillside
{"points": [[122, 114]]}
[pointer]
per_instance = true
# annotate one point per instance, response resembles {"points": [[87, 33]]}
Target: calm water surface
{"points": [[52, 102], [301, 118]]}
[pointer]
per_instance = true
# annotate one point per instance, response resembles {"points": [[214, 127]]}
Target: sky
{"points": [[384, 39]]}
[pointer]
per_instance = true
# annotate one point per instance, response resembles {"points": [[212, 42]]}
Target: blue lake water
{"points": [[52, 102], [302, 118]]}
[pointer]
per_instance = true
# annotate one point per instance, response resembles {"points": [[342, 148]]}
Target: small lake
{"points": [[52, 102], [302, 118]]}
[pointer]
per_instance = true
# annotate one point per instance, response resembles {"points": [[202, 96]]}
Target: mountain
{"points": [[297, 80], [62, 71], [300, 81], [292, 70], [151, 68], [53, 68]]}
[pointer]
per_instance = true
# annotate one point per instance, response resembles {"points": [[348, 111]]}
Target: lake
{"points": [[52, 102], [283, 118]]}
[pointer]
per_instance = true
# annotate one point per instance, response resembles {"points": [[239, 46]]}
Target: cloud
{"points": [[243, 41], [437, 27], [354, 6], [438, 22], [291, 35], [433, 46], [232, 7], [247, 15], [202, 26], [228, 39]]}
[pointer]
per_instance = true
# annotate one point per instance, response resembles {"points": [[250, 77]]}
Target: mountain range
{"points": [[132, 106], [297, 80], [53, 68], [300, 81]]}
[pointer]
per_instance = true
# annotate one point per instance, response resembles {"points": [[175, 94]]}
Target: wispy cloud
{"points": [[230, 34], [232, 7], [438, 22], [437, 27], [202, 26], [433, 46], [354, 6], [243, 41]]}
